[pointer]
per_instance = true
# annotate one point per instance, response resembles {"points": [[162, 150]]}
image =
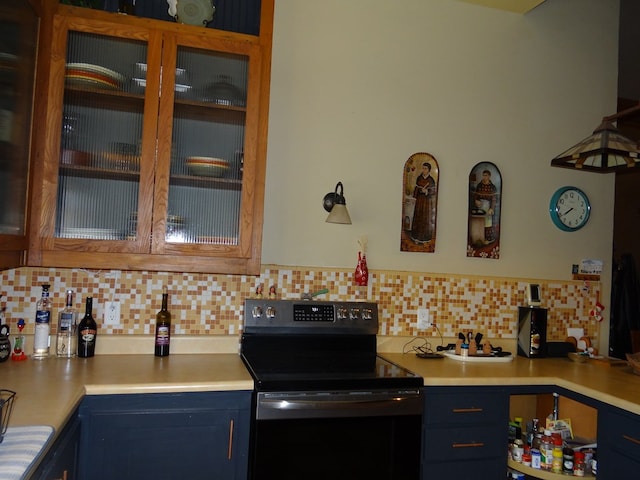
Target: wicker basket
{"points": [[634, 362], [6, 405]]}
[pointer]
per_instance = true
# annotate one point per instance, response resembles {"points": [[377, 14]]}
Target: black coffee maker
{"points": [[532, 332]]}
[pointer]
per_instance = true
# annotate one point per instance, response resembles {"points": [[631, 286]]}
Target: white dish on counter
{"points": [[477, 358]]}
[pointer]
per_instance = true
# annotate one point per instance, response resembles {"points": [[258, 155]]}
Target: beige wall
{"points": [[359, 86]]}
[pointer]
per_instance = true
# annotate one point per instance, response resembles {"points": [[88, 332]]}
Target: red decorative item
{"points": [[362, 272]]}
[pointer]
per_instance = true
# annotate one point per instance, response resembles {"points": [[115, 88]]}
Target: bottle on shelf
{"points": [[66, 339], [43, 325], [546, 450], [579, 467], [163, 327], [568, 459], [87, 332], [533, 433], [557, 455]]}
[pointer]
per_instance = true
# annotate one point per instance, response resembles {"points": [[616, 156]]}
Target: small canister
{"points": [[517, 450], [526, 459], [578, 464], [536, 459], [567, 461], [588, 456]]}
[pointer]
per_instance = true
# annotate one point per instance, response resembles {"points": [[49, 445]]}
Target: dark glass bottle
{"points": [[87, 332], [163, 327]]}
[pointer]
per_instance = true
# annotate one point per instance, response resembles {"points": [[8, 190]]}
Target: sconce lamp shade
{"points": [[336, 205], [604, 151]]}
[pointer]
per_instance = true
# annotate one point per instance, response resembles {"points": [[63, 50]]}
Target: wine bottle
{"points": [[66, 337], [87, 332], [163, 327], [43, 325]]}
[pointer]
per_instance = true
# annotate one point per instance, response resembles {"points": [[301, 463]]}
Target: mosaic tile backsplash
{"points": [[203, 304]]}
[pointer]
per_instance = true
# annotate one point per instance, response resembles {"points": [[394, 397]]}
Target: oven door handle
{"points": [[338, 405]]}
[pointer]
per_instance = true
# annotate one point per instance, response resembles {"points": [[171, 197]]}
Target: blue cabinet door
{"points": [[165, 436], [62, 458], [618, 444]]}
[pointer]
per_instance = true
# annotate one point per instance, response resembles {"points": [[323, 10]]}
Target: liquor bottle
{"points": [[87, 332], [66, 340], [163, 327], [43, 325]]}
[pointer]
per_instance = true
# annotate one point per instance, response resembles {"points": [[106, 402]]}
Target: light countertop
{"points": [[48, 390], [615, 385]]}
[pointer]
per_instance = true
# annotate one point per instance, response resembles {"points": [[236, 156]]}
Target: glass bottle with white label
{"points": [[66, 340], [43, 325]]}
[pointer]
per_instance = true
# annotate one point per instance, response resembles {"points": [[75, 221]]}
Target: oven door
{"points": [[373, 435]]}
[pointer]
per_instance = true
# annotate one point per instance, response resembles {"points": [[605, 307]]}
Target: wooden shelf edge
{"points": [[537, 473]]}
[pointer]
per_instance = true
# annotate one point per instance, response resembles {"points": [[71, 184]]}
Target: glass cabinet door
{"points": [[101, 139], [18, 39], [207, 150], [202, 145], [152, 146]]}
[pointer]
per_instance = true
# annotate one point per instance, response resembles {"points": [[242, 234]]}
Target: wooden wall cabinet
{"points": [[18, 42], [133, 112]]}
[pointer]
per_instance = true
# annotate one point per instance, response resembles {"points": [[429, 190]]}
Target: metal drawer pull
{"points": [[631, 439], [467, 445], [230, 451], [467, 410]]}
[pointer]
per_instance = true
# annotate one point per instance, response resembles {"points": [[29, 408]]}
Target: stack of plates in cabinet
{"points": [[207, 166], [91, 233], [224, 92], [89, 75]]}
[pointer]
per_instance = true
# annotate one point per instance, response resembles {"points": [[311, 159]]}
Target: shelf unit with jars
{"points": [[18, 41], [153, 156], [583, 415]]}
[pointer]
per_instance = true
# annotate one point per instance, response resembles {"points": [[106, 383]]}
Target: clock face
{"points": [[569, 209]]}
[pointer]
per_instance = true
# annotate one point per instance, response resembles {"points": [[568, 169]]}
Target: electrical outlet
{"points": [[423, 319], [112, 313]]}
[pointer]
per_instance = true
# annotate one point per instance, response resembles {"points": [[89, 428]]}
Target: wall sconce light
{"points": [[336, 205], [605, 151]]}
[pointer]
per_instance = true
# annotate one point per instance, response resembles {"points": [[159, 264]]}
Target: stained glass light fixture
{"points": [[605, 150]]}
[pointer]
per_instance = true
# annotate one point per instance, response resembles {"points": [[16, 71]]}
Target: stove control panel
{"points": [[310, 315]]}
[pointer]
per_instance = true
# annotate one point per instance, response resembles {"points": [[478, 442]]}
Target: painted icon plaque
{"points": [[419, 203], [485, 206]]}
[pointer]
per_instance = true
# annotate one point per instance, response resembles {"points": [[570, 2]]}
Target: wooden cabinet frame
{"points": [[149, 252]]}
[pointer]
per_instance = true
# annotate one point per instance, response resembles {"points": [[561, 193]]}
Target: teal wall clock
{"points": [[569, 208]]}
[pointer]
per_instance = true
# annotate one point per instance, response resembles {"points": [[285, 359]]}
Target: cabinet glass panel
{"points": [[100, 139], [18, 36], [207, 147]]}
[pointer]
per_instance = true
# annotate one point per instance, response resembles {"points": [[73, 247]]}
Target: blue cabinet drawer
{"points": [[488, 468], [474, 407], [618, 434], [465, 443]]}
